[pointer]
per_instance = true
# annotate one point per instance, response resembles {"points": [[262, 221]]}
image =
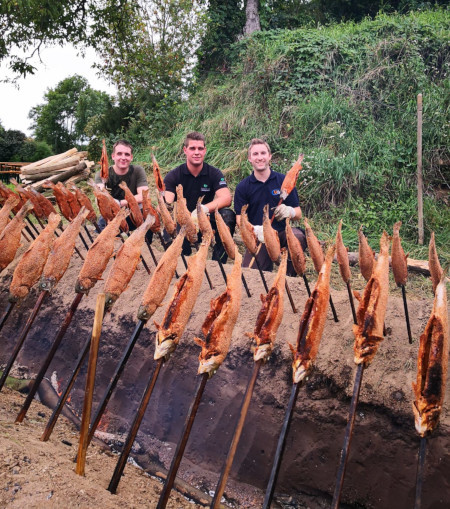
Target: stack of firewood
{"points": [[70, 166]]}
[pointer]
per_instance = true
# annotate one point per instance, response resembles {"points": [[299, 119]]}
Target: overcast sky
{"points": [[58, 63]]}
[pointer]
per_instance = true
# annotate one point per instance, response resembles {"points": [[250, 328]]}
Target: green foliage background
{"points": [[345, 95]]}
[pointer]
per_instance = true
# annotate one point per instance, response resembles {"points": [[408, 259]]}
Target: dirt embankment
{"points": [[382, 463]]}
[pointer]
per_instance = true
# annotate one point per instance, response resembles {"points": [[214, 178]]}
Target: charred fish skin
{"points": [[342, 256], [398, 257], [220, 321], [99, 254], [312, 322], [271, 239], [372, 308], [270, 314], [31, 265], [182, 303], [125, 264], [61, 252], [432, 363], [159, 283]]}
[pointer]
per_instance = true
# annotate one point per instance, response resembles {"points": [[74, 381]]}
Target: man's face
{"points": [[122, 157], [195, 152], [259, 157]]}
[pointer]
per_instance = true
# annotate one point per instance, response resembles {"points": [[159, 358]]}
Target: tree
{"points": [[61, 120], [11, 141], [252, 23]]}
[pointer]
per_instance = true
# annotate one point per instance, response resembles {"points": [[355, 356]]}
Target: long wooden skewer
{"points": [[280, 446], [90, 380], [352, 303], [347, 437], [22, 337], [134, 428], [56, 342], [305, 280], [244, 282], [236, 436], [179, 451], [9, 308], [333, 310], [420, 472], [405, 305]]}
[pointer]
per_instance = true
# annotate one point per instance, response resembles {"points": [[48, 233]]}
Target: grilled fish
{"points": [[5, 211], [314, 247], [184, 217], [204, 223], [159, 182], [44, 203], [124, 266], [99, 254], [433, 263], [291, 178], [60, 198], [271, 239], [432, 361], [147, 208], [107, 205], [270, 314], [372, 308], [366, 256], [161, 278], [75, 207], [312, 322], [295, 250], [225, 235], [61, 252], [84, 201], [6, 192], [10, 236], [168, 222], [342, 256], [182, 303], [27, 195], [220, 321], [247, 232], [30, 267], [135, 211], [398, 258], [104, 164]]}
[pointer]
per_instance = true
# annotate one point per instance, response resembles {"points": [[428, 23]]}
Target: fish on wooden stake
{"points": [[5, 211], [6, 192], [45, 204], [271, 239], [30, 267], [312, 322], [107, 205], [204, 224], [295, 250], [225, 235], [366, 255], [27, 195], [159, 182], [99, 254], [104, 164], [372, 308], [220, 321], [184, 216], [61, 252], [159, 283], [291, 178], [135, 211], [147, 208], [60, 198], [169, 224], [10, 236], [398, 257], [433, 263], [125, 263], [182, 302], [84, 201], [342, 256], [247, 232], [314, 247], [270, 314], [432, 361], [75, 207]]}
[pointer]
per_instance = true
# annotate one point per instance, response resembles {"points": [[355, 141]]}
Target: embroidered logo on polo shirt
{"points": [[222, 182], [205, 188], [276, 192]]}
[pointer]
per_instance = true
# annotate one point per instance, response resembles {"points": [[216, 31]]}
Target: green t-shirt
{"points": [[134, 178]]}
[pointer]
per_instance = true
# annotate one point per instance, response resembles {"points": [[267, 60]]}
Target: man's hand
{"points": [[194, 212], [284, 212], [258, 229]]}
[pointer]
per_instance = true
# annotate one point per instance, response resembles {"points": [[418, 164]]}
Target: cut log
{"points": [[55, 158], [61, 177], [52, 166]]}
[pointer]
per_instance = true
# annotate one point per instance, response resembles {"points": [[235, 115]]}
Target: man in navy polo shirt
{"points": [[201, 179], [261, 187]]}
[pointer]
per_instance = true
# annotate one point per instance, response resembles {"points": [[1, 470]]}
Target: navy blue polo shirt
{"points": [[206, 183], [257, 194]]}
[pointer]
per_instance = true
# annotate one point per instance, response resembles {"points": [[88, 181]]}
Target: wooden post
{"points": [[419, 169], [87, 405]]}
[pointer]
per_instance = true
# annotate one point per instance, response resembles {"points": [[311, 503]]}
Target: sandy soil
{"points": [[381, 470]]}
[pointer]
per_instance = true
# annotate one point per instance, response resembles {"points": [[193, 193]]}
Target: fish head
{"points": [[144, 313], [210, 365], [300, 369], [110, 298], [165, 345], [426, 416], [83, 286], [262, 352], [47, 284]]}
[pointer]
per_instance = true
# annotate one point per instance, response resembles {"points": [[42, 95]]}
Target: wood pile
{"points": [[69, 166]]}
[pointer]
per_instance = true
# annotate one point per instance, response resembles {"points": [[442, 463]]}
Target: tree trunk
{"points": [[252, 17]]}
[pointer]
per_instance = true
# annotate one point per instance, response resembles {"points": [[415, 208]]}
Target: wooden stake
{"points": [[405, 306], [236, 436], [7, 312], [419, 169], [352, 303], [420, 471], [90, 381]]}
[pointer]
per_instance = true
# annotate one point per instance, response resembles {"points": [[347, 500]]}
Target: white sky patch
{"points": [[57, 64]]}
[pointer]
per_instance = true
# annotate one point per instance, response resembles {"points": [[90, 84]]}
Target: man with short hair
{"points": [[200, 179], [123, 171], [263, 187]]}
